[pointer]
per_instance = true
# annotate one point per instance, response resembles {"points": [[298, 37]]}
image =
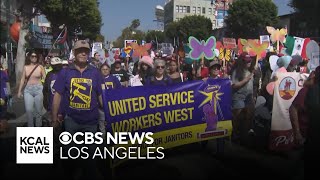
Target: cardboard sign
{"points": [[229, 43], [202, 48], [128, 43]]}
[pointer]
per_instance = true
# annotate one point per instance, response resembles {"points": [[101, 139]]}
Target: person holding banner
{"points": [[160, 77], [110, 82], [120, 73], [145, 67], [174, 73], [242, 96], [80, 84]]}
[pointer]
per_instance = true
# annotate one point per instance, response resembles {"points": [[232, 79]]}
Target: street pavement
{"points": [[192, 161]]}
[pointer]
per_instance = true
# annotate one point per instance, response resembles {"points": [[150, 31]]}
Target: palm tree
{"points": [[135, 24]]}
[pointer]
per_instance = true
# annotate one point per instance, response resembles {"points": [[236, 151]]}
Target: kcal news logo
{"points": [[34, 145]]}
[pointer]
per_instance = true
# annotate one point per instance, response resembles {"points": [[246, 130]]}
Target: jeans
{"points": [[88, 166], [33, 97], [102, 122]]}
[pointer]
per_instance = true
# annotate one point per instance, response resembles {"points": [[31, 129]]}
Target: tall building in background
{"points": [[215, 10]]}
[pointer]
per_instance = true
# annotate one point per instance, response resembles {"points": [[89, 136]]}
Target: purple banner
{"points": [[155, 109]]}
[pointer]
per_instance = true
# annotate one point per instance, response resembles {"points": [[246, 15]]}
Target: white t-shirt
{"points": [[135, 81]]}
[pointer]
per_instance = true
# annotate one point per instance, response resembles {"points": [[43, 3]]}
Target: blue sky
{"points": [[118, 14]]}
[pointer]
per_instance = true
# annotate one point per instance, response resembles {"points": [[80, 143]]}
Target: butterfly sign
{"points": [[140, 50], [258, 49], [202, 49], [224, 52], [243, 46], [277, 35]]}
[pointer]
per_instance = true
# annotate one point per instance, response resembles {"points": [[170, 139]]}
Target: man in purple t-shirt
{"points": [[80, 85]]}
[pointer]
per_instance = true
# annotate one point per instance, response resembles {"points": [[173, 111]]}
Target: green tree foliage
{"points": [[130, 33], [73, 13], [135, 24], [249, 18], [307, 12], [155, 36], [99, 38], [195, 25], [171, 30]]}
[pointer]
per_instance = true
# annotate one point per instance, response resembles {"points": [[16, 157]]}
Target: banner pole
{"points": [[56, 41]]}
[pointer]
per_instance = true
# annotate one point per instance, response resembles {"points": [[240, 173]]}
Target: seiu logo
{"points": [[32, 145]]}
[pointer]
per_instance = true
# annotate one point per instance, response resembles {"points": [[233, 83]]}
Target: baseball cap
{"points": [[81, 44], [55, 61], [214, 63], [65, 62]]}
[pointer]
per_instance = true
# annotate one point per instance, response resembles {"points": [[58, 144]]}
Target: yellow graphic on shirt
{"points": [[109, 85], [80, 93]]}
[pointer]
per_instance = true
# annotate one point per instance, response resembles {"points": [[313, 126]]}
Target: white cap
{"points": [[55, 61], [65, 62]]}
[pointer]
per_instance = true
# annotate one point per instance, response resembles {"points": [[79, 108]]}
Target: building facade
{"points": [[214, 10]]}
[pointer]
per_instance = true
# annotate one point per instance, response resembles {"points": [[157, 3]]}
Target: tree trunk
{"points": [[21, 54]]}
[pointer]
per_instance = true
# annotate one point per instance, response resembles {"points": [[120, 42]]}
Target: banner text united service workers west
{"points": [[179, 114]]}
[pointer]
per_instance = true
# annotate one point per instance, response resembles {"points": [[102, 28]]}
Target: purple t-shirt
{"points": [[4, 79], [112, 82], [81, 91]]}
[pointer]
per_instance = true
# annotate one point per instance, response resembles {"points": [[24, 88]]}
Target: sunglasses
{"points": [[160, 67], [33, 56]]}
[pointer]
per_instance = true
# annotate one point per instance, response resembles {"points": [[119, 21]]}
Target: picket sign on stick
{"points": [[201, 49], [277, 36], [258, 49]]}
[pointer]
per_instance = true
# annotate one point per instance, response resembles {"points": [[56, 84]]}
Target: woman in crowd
{"points": [[160, 77], [242, 95], [145, 67], [110, 82], [174, 73], [31, 87]]}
